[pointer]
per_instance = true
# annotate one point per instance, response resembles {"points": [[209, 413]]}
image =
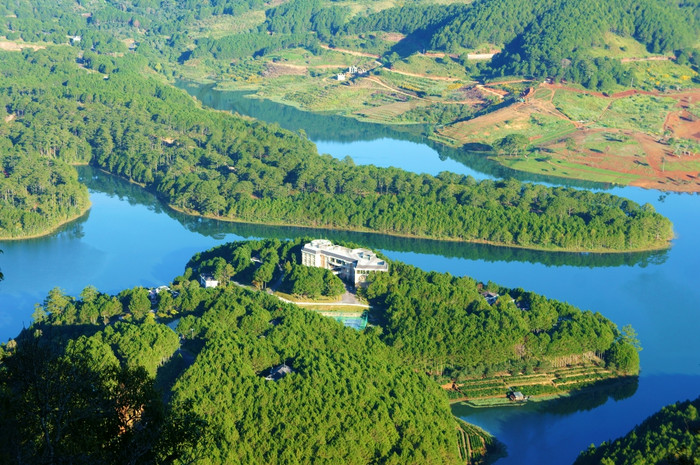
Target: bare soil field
{"points": [[601, 153]]}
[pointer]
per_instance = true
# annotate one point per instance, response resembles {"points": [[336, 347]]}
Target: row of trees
{"points": [[209, 163]]}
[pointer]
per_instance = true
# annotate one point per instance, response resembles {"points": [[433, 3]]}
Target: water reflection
{"points": [[322, 128], [135, 195]]}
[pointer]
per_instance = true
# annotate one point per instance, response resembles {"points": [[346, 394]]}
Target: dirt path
{"points": [[656, 58], [350, 52], [11, 46], [488, 90], [426, 76], [379, 81]]}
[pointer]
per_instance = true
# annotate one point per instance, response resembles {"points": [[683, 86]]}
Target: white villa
{"points": [[352, 265], [207, 280]]}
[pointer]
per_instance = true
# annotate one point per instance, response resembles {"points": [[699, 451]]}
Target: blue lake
{"points": [[129, 239]]}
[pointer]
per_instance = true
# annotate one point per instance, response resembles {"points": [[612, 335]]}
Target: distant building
{"points": [[279, 372], [153, 292], [340, 76], [352, 70], [491, 297], [351, 265], [516, 396], [208, 280]]}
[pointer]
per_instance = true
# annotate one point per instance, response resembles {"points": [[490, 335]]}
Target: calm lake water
{"points": [[129, 239]]}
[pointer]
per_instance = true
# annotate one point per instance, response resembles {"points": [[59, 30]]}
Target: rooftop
{"points": [[364, 258]]}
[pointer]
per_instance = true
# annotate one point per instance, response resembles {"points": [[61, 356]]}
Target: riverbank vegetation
{"points": [[209, 163], [671, 435]]}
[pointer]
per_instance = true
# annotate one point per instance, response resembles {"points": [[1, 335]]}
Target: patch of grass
{"points": [[432, 66], [224, 25], [564, 169], [615, 46], [579, 107], [422, 87], [661, 75], [296, 298], [639, 112]]}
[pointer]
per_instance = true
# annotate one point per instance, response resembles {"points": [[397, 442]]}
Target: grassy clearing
{"points": [[526, 120], [556, 167], [422, 87], [639, 112], [661, 75], [219, 26], [389, 112], [615, 46], [493, 391], [579, 107], [297, 298], [432, 66]]}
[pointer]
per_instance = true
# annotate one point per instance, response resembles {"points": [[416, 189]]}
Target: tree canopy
{"points": [[671, 435]]}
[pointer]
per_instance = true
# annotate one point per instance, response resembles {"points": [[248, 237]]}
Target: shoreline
{"points": [[643, 183], [53, 229], [501, 401], [410, 236]]}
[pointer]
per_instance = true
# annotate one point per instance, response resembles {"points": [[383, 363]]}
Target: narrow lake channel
{"points": [[130, 239]]}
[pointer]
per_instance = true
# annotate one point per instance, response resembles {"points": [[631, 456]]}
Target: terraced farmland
{"points": [[494, 390]]}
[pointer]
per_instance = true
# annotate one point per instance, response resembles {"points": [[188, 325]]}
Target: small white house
{"points": [[208, 280], [340, 77]]}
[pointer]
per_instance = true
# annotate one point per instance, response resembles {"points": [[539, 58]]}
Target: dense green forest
{"points": [[349, 398], [670, 436], [537, 38], [211, 163], [441, 323], [39, 191], [78, 401], [543, 38]]}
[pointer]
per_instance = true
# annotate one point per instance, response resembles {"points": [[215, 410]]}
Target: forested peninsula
{"points": [[125, 387], [349, 398], [442, 323], [215, 164], [39, 192], [670, 436]]}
